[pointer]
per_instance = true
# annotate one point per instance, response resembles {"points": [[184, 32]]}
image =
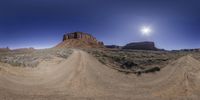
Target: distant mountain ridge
{"points": [[4, 49], [86, 40]]}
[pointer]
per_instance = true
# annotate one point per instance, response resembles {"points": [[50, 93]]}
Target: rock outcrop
{"points": [[79, 40], [141, 46]]}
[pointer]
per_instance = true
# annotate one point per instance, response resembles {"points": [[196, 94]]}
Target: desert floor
{"points": [[83, 77]]}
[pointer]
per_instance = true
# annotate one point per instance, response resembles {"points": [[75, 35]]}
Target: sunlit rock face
{"points": [[141, 46], [80, 40]]}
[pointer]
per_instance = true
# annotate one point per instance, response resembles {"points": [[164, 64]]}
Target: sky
{"points": [[175, 24]]}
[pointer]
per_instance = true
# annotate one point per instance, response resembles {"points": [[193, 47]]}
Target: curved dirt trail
{"points": [[82, 77]]}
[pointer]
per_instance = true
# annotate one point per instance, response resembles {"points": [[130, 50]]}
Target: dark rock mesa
{"points": [[113, 46], [141, 46]]}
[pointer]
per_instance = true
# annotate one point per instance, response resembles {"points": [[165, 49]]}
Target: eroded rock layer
{"points": [[80, 40]]}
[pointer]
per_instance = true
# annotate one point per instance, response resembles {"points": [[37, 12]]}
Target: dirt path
{"points": [[82, 77]]}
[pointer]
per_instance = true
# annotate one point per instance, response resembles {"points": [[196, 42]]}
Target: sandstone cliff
{"points": [[79, 40]]}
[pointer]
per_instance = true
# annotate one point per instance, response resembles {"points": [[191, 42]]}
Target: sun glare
{"points": [[146, 30]]}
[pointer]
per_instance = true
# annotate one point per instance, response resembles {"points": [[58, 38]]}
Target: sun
{"points": [[146, 30]]}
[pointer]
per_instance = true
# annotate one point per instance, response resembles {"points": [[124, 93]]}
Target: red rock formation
{"points": [[80, 40]]}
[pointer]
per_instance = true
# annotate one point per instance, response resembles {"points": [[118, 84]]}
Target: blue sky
{"points": [[41, 23]]}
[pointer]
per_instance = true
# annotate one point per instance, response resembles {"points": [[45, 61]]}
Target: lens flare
{"points": [[146, 30]]}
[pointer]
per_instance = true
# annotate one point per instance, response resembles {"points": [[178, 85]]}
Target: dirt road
{"points": [[82, 77]]}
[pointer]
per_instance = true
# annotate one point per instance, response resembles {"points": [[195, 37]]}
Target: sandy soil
{"points": [[82, 77]]}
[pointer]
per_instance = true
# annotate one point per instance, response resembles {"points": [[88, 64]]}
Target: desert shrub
{"points": [[150, 70], [129, 65], [135, 60], [63, 53]]}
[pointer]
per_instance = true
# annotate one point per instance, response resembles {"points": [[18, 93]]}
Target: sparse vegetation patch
{"points": [[32, 58], [135, 61]]}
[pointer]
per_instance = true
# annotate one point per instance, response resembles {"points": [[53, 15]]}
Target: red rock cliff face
{"points": [[80, 39]]}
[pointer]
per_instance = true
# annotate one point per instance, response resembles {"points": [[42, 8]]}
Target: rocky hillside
{"points": [[4, 49], [79, 40]]}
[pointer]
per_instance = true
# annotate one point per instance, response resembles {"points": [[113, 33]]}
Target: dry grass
{"points": [[32, 58], [136, 61]]}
